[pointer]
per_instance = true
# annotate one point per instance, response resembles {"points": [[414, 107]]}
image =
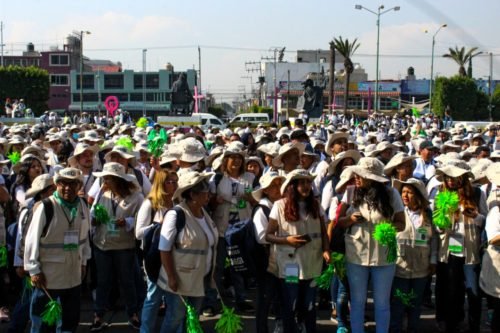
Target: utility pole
{"points": [[144, 82], [81, 69], [275, 87], [256, 66], [97, 78], [490, 105], [288, 94], [331, 81], [199, 77], [1, 43]]}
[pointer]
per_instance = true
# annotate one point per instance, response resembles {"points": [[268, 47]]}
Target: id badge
{"points": [[71, 240], [421, 237], [456, 243], [112, 229], [292, 273]]}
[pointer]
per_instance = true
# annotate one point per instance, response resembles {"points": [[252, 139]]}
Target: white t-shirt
{"points": [[261, 221], [493, 223]]}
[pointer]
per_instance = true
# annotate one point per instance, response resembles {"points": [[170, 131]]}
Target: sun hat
{"points": [[295, 174], [114, 169], [437, 142], [188, 180], [34, 150], [16, 140], [287, 147], [283, 131], [370, 168], [108, 144], [191, 150], [39, 184], [255, 159], [426, 144], [315, 142], [264, 182], [140, 136], [271, 148], [479, 169], [331, 140], [123, 152], [396, 160], [493, 173], [346, 175], [80, 149], [141, 145], [308, 150], [68, 173], [495, 154], [369, 149], [381, 147], [417, 184], [90, 135], [453, 168], [125, 127], [354, 154], [235, 148], [216, 152]]}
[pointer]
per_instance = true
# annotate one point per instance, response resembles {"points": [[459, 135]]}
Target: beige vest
{"points": [[472, 242], [189, 254], [62, 268], [309, 257], [414, 247], [489, 280]]}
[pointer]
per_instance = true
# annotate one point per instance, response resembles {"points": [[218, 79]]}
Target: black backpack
{"points": [[151, 241], [244, 253]]}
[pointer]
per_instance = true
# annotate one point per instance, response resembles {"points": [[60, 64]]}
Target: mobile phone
{"points": [[306, 237]]}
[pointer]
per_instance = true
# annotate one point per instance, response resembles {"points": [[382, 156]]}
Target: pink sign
{"points": [[112, 104]]}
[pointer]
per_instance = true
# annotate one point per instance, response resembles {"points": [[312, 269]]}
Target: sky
{"points": [[232, 32]]}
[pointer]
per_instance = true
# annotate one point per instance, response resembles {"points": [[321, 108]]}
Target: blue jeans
{"points": [[398, 309], [340, 298], [299, 298], [70, 304], [150, 308], [121, 264], [174, 320], [381, 277], [268, 287], [20, 316]]}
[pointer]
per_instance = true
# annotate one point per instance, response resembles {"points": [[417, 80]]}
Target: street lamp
{"points": [[144, 82], [380, 11], [81, 69], [432, 63]]}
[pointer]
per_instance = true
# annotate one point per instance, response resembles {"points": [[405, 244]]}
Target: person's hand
{"points": [[172, 283], [20, 272], [326, 256], [81, 193], [155, 163], [120, 222], [38, 281], [471, 212], [432, 269], [356, 217], [296, 241]]}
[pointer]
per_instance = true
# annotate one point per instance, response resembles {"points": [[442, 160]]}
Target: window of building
{"points": [[121, 96], [136, 97], [88, 81], [113, 81], [59, 60], [90, 97], [59, 79], [152, 81]]}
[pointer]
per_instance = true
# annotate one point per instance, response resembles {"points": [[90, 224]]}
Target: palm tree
{"points": [[461, 57], [346, 49]]}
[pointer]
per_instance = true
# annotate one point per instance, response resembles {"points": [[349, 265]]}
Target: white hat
{"points": [[396, 160], [369, 149], [123, 152], [188, 180], [17, 139], [39, 184], [354, 154], [255, 159], [453, 168], [216, 152], [192, 150], [141, 145], [235, 148], [271, 148], [79, 149], [90, 136], [286, 148], [114, 169], [295, 174], [493, 173], [68, 173], [381, 147], [417, 184], [479, 169], [331, 140], [345, 177], [370, 168], [264, 182]]}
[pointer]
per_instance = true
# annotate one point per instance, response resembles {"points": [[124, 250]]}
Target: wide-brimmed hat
{"points": [[235, 148], [308, 150], [417, 184], [331, 140], [454, 169], [16, 140], [286, 148], [90, 135], [271, 148], [370, 168], [39, 184], [68, 173], [188, 180], [255, 159], [34, 150], [123, 152], [381, 147], [216, 152], [115, 169], [345, 177], [141, 145], [295, 174], [264, 182], [479, 169], [192, 150], [354, 154], [493, 173], [80, 149], [495, 154], [396, 160], [317, 142]]}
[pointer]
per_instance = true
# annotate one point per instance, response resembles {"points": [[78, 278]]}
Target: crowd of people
{"points": [[95, 210]]}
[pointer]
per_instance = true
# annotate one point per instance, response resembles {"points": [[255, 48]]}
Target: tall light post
{"points": [[380, 11], [81, 69], [144, 82], [431, 85], [97, 78]]}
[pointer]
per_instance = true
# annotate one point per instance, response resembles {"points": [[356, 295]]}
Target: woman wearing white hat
{"points": [[417, 259], [459, 257], [298, 233], [115, 241], [188, 250], [27, 169], [373, 203], [400, 167]]}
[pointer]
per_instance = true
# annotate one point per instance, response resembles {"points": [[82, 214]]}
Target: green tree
{"points": [[29, 83], [460, 93], [346, 49], [462, 57], [217, 111]]}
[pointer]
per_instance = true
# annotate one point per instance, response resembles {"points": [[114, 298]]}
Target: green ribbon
{"points": [[385, 234], [52, 313], [101, 214], [446, 204], [71, 206], [405, 298], [336, 266], [3, 256], [229, 322], [192, 321]]}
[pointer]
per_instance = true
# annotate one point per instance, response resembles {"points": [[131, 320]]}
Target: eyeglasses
{"points": [[68, 183], [171, 182]]}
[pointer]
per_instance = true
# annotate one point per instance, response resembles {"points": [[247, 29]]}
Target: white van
{"points": [[202, 120], [252, 118]]}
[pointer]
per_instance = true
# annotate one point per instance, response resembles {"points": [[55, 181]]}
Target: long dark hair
{"points": [[23, 177], [292, 203], [123, 187], [376, 196]]}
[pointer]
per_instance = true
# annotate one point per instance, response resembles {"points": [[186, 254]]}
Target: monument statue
{"points": [[311, 102], [181, 96]]}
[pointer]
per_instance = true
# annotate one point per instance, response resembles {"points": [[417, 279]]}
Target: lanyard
{"points": [[114, 204], [70, 221]]}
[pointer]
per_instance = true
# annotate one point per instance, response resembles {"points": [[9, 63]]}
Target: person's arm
{"points": [[167, 260], [168, 234], [272, 237], [32, 248], [143, 219], [4, 194], [260, 222]]}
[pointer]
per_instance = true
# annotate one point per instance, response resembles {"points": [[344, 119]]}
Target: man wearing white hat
{"points": [[83, 159], [57, 249]]}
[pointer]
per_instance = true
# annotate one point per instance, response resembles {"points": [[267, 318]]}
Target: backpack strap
{"points": [[180, 222], [138, 175], [48, 209]]}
